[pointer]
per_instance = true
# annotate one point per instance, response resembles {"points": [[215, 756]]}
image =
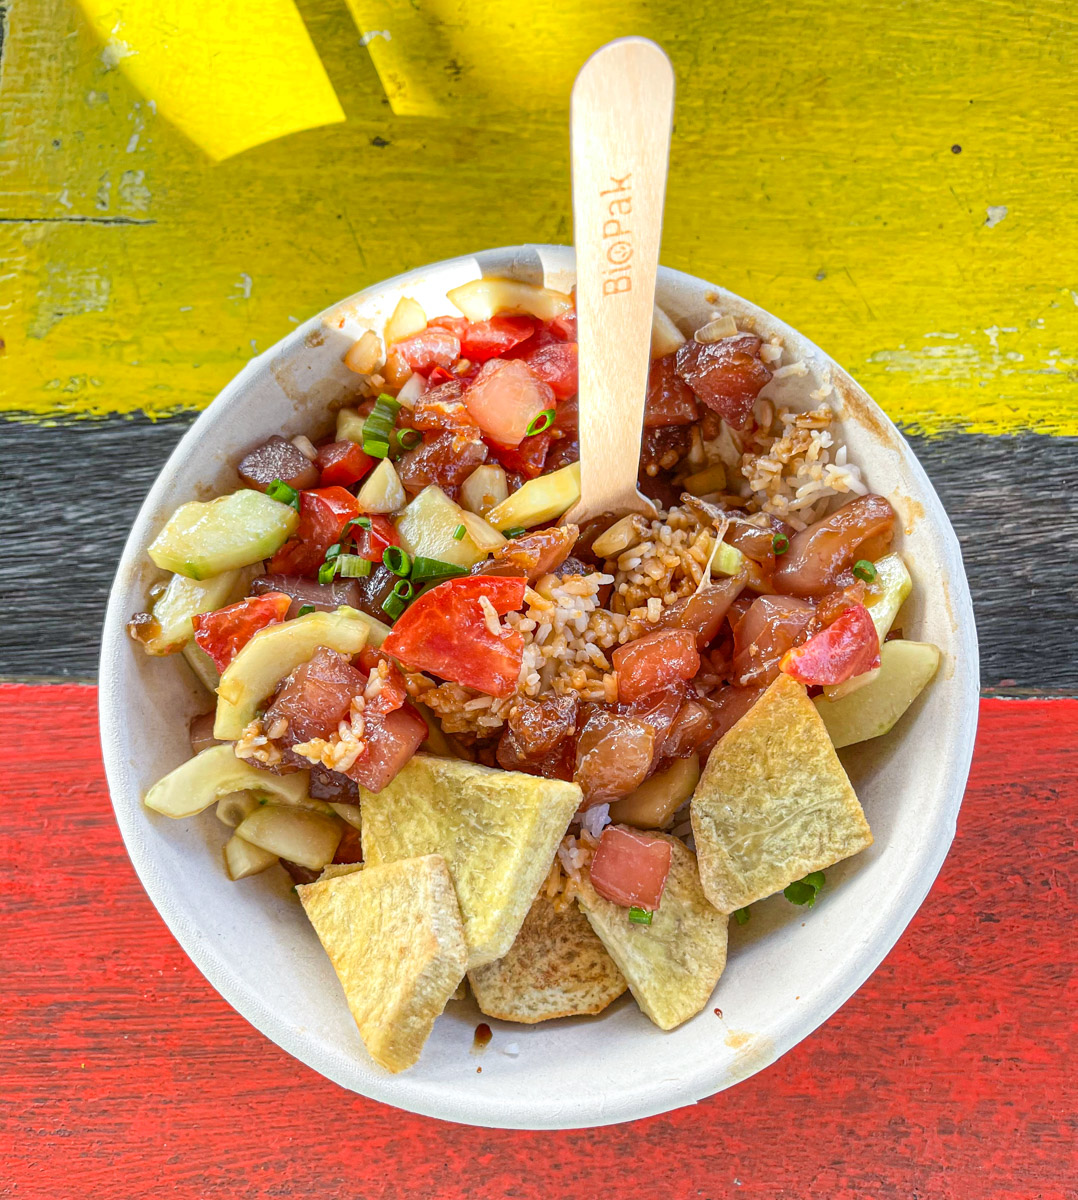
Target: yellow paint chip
{"points": [[229, 75]]}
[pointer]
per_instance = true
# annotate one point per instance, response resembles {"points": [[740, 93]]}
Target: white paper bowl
{"points": [[788, 970]]}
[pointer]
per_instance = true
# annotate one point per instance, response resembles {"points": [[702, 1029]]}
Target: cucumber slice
{"points": [[873, 710], [204, 779], [888, 592], [235, 807], [202, 666], [203, 540], [539, 500], [185, 598], [273, 653], [243, 858], [301, 836], [427, 525]]}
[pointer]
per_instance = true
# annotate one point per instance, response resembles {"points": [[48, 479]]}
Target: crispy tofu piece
{"points": [[395, 938], [497, 831], [557, 967], [773, 803], [673, 964]]}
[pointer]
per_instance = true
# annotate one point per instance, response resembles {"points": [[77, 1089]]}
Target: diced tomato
{"points": [[564, 327], [505, 399], [654, 661], [343, 463], [225, 632], [323, 514], [391, 739], [847, 647], [445, 632], [528, 458], [429, 349], [372, 543], [483, 340], [454, 325], [630, 867]]}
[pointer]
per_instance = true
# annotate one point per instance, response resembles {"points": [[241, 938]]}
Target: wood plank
{"points": [[825, 187], [1018, 553], [948, 1075]]}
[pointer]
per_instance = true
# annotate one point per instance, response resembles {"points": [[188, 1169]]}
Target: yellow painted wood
{"points": [[812, 171], [230, 74]]}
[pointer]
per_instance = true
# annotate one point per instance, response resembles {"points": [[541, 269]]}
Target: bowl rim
{"points": [[632, 1099]]}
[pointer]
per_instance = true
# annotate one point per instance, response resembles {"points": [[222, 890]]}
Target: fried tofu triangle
{"points": [[773, 803], [395, 938], [497, 831], [557, 967], [673, 964]]}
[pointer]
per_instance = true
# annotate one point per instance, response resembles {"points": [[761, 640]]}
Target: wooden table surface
{"points": [[181, 184]]}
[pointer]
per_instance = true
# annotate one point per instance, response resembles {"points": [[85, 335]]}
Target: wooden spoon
{"points": [[622, 112]]}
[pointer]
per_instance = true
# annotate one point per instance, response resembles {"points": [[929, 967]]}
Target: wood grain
{"points": [[72, 491], [813, 170], [948, 1075], [621, 116]]}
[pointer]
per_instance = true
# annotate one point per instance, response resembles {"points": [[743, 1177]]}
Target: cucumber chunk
{"points": [[301, 836], [427, 525], [274, 652], [872, 710], [204, 779], [243, 858], [203, 540], [185, 598]]}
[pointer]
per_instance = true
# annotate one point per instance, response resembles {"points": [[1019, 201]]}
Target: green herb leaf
{"points": [[284, 494], [741, 916], [639, 916], [804, 891]]}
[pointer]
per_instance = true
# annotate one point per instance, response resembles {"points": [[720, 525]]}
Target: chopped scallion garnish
{"points": [[352, 566], [780, 543], [327, 571], [283, 493], [433, 568], [397, 560], [409, 438], [639, 916], [304, 609], [514, 531], [378, 427], [865, 571], [458, 533], [397, 600], [741, 916], [804, 891], [333, 551], [540, 423]]}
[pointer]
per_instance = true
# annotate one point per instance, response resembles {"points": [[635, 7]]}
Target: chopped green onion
{"points": [[514, 531], [458, 533], [639, 916], [333, 551], [387, 404], [396, 560], [804, 891], [434, 568], [284, 494], [327, 570], [353, 566], [865, 571], [397, 600], [741, 916], [409, 438], [780, 543], [378, 427], [304, 609], [541, 423]]}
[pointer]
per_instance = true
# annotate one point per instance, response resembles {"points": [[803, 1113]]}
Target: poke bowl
{"points": [[820, 444]]}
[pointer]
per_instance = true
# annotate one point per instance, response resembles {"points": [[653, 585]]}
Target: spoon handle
{"points": [[622, 112]]}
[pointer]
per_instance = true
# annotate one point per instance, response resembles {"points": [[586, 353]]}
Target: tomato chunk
{"points": [[630, 868], [564, 327], [323, 514], [372, 541], [847, 647], [343, 463], [654, 661], [445, 632], [224, 633]]}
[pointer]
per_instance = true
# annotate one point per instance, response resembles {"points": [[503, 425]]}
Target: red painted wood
{"points": [[949, 1075]]}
